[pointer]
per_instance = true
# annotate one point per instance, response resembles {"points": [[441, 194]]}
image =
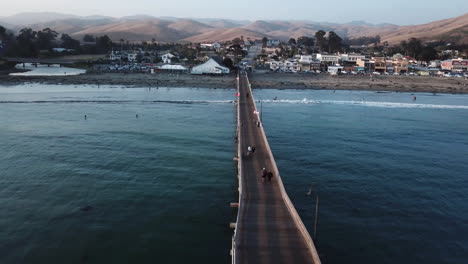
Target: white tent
{"points": [[210, 67]]}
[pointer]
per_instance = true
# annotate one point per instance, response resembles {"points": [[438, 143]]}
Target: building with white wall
{"points": [[328, 58], [167, 58], [352, 57]]}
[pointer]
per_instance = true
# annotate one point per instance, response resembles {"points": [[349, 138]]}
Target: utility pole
{"points": [[316, 217], [261, 110]]}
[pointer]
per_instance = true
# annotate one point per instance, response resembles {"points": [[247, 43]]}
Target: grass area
{"points": [[84, 57]]}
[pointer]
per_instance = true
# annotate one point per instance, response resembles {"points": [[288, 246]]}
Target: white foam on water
{"points": [[118, 101], [371, 104]]}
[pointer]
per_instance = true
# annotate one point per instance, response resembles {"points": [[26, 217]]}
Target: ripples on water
{"points": [[115, 188], [391, 173]]}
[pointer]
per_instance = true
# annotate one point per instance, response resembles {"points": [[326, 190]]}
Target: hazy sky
{"points": [[400, 12]]}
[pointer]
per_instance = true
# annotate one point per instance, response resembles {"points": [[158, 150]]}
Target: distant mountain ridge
{"points": [[172, 29]]}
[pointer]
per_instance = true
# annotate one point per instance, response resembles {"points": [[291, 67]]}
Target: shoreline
{"points": [[280, 81], [379, 83], [127, 79]]}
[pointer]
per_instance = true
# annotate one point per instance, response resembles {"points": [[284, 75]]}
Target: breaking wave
{"points": [[119, 102], [370, 104]]}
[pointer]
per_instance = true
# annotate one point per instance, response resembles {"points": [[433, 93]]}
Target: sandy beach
{"points": [[361, 82], [259, 81], [129, 80]]}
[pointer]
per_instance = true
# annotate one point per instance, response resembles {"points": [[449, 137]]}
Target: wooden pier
{"points": [[268, 228]]}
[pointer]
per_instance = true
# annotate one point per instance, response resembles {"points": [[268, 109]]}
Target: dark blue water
{"points": [[114, 188], [392, 174]]}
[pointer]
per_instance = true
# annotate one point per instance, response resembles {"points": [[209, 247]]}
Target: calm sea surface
{"points": [[148, 176]]}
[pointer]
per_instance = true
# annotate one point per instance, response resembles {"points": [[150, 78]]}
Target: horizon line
{"points": [[222, 18]]}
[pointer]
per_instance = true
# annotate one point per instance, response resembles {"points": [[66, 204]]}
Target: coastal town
{"points": [[323, 53], [234, 132], [218, 58]]}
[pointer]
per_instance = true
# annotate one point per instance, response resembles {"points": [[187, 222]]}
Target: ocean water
{"points": [[391, 173], [115, 187], [46, 70]]}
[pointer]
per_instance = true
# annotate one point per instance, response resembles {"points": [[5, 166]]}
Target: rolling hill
{"points": [[34, 18], [222, 34], [447, 29], [145, 27], [136, 30], [189, 26]]}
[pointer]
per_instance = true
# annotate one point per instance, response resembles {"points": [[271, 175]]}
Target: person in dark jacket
{"points": [[269, 175]]}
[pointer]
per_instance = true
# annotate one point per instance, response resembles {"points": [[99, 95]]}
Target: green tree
{"points": [[320, 39], [292, 41], [25, 43], [89, 38], [237, 49], [305, 41], [103, 44], [69, 43], [334, 42], [228, 62], [428, 54], [264, 41], [414, 47], [292, 52], [3, 33], [45, 38]]}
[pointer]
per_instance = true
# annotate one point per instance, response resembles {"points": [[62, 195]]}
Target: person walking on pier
{"points": [[249, 150], [269, 175], [263, 174]]}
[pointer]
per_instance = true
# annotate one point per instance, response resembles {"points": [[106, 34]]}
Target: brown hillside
{"points": [[137, 30], [428, 32], [189, 26], [268, 26], [225, 35], [222, 23]]}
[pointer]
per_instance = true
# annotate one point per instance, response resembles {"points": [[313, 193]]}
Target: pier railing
{"points": [[239, 178]]}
